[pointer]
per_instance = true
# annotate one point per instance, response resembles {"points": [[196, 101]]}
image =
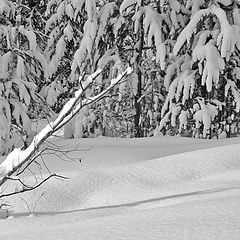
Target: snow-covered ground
{"points": [[154, 188]]}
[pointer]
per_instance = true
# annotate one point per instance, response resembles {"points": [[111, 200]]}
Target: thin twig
{"points": [[30, 162], [34, 187], [19, 180]]}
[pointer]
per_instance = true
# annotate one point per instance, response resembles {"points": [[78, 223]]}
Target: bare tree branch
{"points": [[34, 187], [30, 162], [17, 158]]}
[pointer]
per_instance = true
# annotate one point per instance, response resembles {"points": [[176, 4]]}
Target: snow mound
{"points": [[128, 184]]}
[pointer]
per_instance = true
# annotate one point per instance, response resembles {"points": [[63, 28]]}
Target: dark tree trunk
{"points": [[138, 132], [138, 106]]}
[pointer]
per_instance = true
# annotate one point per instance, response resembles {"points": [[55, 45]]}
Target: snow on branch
{"points": [[205, 115], [231, 85], [153, 28], [225, 2], [5, 7], [190, 29], [227, 38], [17, 158], [30, 36], [127, 5]]}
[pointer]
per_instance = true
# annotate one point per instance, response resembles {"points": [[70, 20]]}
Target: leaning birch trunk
{"points": [[17, 158]]}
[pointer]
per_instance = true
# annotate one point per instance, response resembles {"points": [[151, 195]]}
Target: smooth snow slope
{"points": [[135, 189]]}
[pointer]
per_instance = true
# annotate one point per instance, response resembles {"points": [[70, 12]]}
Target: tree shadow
{"points": [[133, 204]]}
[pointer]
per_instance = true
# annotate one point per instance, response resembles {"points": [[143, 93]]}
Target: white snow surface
{"points": [[153, 188]]}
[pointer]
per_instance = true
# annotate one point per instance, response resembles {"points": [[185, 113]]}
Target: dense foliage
{"points": [[185, 56], [23, 69]]}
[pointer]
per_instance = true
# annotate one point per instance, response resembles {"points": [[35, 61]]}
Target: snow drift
{"points": [[131, 182]]}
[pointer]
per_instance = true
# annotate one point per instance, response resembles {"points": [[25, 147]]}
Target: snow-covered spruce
{"points": [[76, 31], [203, 94], [140, 32], [20, 47]]}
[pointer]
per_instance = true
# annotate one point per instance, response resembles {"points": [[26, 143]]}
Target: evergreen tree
{"points": [[144, 36], [76, 31], [202, 79], [80, 41], [123, 33], [119, 41], [23, 68]]}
